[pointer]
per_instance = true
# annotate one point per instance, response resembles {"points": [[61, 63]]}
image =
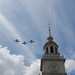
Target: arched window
{"points": [[51, 49], [46, 50], [55, 50]]}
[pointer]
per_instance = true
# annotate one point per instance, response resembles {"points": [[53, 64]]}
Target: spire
{"points": [[49, 37], [49, 30]]}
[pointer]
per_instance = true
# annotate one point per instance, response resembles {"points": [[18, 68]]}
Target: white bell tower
{"points": [[51, 62]]}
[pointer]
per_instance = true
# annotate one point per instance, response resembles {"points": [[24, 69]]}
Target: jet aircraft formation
{"points": [[24, 43]]}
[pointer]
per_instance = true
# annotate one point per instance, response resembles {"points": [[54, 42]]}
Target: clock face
{"points": [[53, 67]]}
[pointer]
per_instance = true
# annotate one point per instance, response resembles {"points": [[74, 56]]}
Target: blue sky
{"points": [[28, 19]]}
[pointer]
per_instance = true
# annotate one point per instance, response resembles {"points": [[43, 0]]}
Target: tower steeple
{"points": [[50, 47], [50, 38], [51, 62]]}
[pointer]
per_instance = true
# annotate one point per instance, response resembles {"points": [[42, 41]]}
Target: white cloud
{"points": [[11, 64], [70, 65], [33, 69]]}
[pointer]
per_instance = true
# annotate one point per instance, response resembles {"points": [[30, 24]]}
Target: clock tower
{"points": [[51, 62]]}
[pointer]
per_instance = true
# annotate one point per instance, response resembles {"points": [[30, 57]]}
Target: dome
{"points": [[50, 43]]}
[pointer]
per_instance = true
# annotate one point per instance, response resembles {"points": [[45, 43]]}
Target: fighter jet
{"points": [[24, 43], [16, 40], [31, 41]]}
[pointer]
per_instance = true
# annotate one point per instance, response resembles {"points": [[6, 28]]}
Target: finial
{"points": [[49, 30]]}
